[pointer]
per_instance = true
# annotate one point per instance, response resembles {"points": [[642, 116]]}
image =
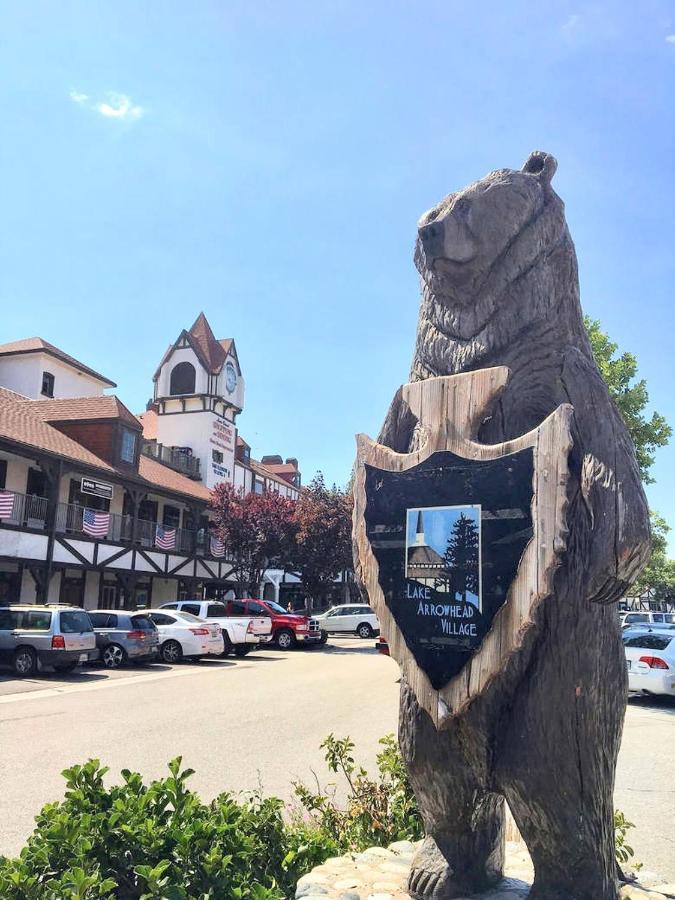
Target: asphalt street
{"points": [[258, 722]]}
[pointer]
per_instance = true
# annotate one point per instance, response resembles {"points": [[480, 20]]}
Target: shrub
{"points": [[377, 811], [137, 842], [156, 841]]}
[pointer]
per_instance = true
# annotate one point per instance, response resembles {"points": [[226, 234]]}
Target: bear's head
{"points": [[476, 246]]}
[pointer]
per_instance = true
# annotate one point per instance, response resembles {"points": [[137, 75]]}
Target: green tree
{"points": [[461, 557], [659, 574], [323, 542], [619, 372]]}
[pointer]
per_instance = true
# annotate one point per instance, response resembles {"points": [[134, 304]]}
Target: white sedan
{"points": [[183, 635], [650, 658]]}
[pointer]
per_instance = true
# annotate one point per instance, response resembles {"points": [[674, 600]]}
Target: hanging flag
{"points": [[95, 523], [165, 538], [217, 547], [6, 504]]}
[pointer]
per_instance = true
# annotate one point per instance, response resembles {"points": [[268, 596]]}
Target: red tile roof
{"points": [[170, 480], [38, 345], [212, 350], [22, 423], [73, 409], [268, 473]]}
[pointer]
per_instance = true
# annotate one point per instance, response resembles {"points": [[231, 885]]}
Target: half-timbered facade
{"points": [[102, 508]]}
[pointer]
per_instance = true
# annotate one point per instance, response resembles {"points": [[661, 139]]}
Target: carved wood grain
{"points": [[449, 411]]}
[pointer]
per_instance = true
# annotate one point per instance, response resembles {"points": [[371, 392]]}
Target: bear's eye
{"points": [[462, 205]]}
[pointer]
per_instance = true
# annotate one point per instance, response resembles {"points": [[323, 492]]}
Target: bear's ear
{"points": [[541, 164]]}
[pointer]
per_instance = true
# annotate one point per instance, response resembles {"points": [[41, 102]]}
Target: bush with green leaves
{"points": [[377, 811], [158, 841], [137, 841]]}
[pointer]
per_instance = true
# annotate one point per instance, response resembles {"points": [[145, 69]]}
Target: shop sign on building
{"points": [[97, 488]]}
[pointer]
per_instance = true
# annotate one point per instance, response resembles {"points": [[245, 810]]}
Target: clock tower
{"points": [[198, 393]]}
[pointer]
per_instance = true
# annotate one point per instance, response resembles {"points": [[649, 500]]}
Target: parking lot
{"points": [[258, 721]]}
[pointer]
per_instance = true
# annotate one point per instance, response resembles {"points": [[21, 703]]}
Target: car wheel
{"points": [[364, 630], [171, 652], [113, 656], [285, 639], [323, 638], [65, 667], [242, 650], [24, 662], [227, 645]]}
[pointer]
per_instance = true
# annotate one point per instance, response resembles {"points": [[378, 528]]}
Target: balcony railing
{"points": [[73, 519], [31, 512], [26, 510], [178, 459]]}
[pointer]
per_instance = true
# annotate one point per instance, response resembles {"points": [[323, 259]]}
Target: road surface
{"points": [[259, 721]]}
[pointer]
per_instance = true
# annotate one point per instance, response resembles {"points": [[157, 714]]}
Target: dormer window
{"points": [[47, 384], [128, 446], [182, 379]]}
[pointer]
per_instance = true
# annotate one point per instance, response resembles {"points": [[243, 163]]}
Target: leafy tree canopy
{"points": [[256, 529], [619, 373], [323, 541], [659, 574]]}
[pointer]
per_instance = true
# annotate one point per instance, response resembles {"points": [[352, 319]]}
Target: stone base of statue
{"points": [[382, 873]]}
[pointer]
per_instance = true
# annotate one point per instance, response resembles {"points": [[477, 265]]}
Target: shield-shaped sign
{"points": [[456, 542]]}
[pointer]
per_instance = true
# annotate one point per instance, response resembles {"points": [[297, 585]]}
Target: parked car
{"points": [[183, 635], [382, 646], [352, 618], [32, 636], [124, 636], [650, 658], [287, 628], [632, 618], [240, 633]]}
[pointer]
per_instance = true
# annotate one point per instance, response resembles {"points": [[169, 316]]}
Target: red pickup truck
{"points": [[287, 628]]}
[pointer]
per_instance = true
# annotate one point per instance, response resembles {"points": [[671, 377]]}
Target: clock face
{"points": [[230, 378]]}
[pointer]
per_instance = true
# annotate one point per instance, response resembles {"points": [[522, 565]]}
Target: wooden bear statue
{"points": [[500, 288]]}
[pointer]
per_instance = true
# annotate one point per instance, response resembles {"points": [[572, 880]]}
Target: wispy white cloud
{"points": [[113, 106], [670, 39], [119, 106]]}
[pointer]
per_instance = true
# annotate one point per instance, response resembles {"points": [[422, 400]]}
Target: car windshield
{"points": [[275, 607], [188, 617], [144, 623], [75, 621]]}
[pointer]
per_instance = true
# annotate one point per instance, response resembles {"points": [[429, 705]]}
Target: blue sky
{"points": [[267, 162], [438, 522]]}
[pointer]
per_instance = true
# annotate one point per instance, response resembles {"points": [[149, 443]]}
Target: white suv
{"points": [[353, 618], [658, 618]]}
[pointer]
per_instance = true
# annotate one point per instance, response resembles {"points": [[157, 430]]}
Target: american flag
{"points": [[95, 523], [165, 538], [6, 504], [217, 547]]}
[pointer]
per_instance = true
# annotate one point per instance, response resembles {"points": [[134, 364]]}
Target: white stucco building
{"points": [[101, 507]]}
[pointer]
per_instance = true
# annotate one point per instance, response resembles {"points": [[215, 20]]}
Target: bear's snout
{"points": [[447, 239], [432, 238]]}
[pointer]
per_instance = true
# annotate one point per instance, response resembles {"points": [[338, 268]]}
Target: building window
{"points": [[47, 384], [182, 379], [128, 449], [258, 486], [171, 516], [217, 456]]}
